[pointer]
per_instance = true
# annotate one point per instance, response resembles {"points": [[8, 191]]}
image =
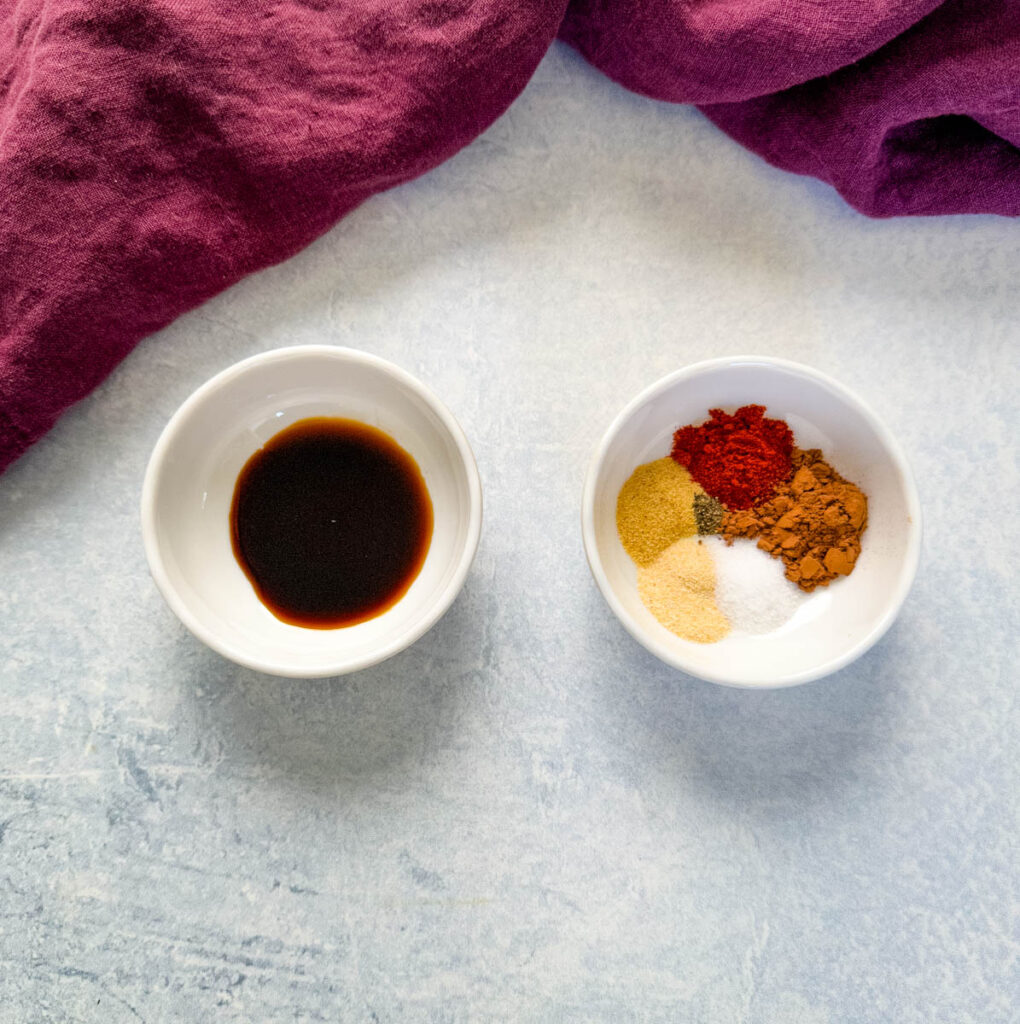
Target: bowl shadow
{"points": [[767, 754], [368, 729]]}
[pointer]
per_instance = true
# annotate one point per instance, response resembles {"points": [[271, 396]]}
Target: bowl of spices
{"points": [[311, 511], [751, 522]]}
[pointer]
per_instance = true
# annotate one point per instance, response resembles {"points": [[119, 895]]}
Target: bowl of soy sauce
{"points": [[311, 511]]}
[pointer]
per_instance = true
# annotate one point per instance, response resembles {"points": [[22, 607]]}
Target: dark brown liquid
{"points": [[331, 521]]}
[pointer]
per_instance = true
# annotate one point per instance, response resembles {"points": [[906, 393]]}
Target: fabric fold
{"points": [[926, 125], [154, 152]]}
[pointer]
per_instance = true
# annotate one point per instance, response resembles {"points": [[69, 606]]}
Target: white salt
{"points": [[750, 588]]}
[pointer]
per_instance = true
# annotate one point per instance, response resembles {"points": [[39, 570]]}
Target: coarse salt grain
{"points": [[751, 589]]}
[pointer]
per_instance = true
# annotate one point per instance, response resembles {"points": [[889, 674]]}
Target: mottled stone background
{"points": [[526, 817]]}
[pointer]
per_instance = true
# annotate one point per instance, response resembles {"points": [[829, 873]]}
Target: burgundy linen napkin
{"points": [[153, 152], [929, 124], [924, 123]]}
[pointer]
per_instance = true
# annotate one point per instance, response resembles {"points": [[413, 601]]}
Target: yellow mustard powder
{"points": [[654, 508]]}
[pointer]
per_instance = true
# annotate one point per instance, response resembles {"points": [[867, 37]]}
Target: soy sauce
{"points": [[331, 522]]}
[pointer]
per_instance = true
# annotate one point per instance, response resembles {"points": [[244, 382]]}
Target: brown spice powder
{"points": [[813, 522]]}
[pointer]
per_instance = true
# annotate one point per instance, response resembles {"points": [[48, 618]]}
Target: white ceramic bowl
{"points": [[190, 482], [836, 624]]}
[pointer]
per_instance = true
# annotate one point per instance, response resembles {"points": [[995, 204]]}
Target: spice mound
{"points": [[737, 475], [678, 588], [813, 522], [751, 591], [738, 459], [658, 505]]}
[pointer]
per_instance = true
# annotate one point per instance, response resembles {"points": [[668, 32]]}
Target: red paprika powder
{"points": [[739, 459]]}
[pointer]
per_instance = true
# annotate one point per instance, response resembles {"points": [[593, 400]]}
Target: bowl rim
{"points": [[671, 657], [199, 397]]}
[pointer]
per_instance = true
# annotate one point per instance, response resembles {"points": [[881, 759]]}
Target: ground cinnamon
{"points": [[814, 522]]}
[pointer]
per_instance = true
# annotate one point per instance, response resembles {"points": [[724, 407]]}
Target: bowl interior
{"points": [[835, 623], [195, 469]]}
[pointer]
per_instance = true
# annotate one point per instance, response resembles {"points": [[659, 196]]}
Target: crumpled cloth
{"points": [[153, 152], [905, 106]]}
